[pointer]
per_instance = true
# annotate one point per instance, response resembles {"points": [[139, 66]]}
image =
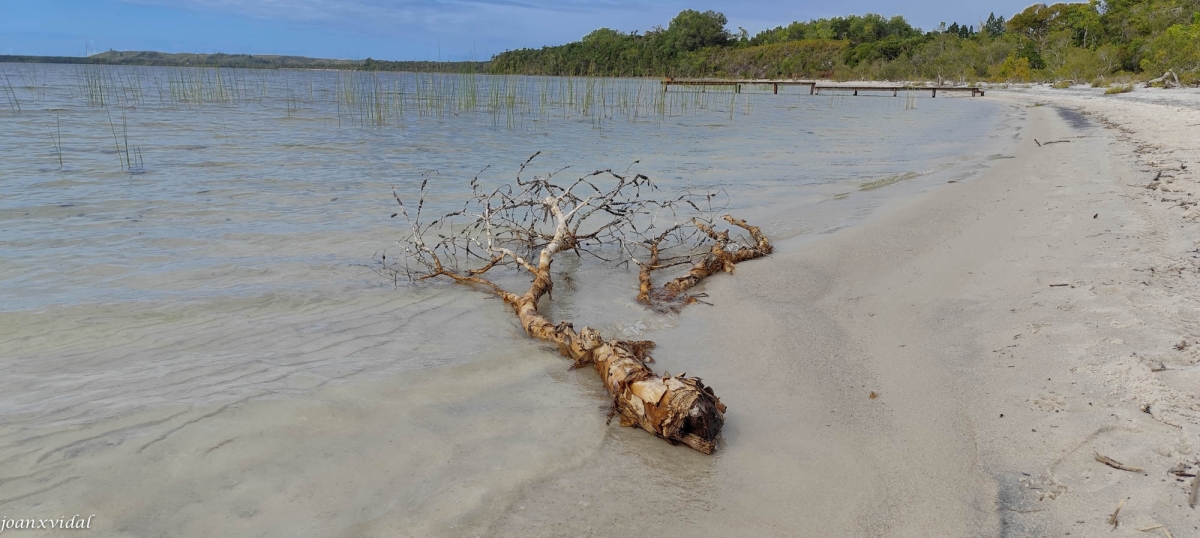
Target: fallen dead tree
{"points": [[525, 224], [1168, 80]]}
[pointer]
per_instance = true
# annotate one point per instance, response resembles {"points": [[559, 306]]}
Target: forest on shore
{"points": [[1097, 41], [1082, 42]]}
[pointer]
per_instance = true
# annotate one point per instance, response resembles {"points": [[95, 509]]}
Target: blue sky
{"points": [[400, 29]]}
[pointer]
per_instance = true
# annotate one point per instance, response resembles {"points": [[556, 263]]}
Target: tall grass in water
{"points": [[367, 99], [378, 99], [192, 87], [105, 85], [92, 84], [124, 155], [102, 85], [56, 137], [33, 79], [13, 102]]}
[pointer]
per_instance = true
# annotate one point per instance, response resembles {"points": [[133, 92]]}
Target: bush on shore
{"points": [[1064, 41]]}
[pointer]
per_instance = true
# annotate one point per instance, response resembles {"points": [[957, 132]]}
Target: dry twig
{"points": [[1112, 520], [1116, 464]]}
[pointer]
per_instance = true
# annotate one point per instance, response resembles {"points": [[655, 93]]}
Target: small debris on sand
{"points": [[1112, 520], [1116, 464]]}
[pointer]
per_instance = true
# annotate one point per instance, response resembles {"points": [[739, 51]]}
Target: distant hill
{"points": [[252, 61]]}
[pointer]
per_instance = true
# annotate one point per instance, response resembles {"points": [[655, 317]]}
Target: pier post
{"points": [[776, 88], [855, 92], [812, 89], [935, 92]]}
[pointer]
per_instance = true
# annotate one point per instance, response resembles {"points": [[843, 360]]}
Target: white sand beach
{"points": [[1012, 327]]}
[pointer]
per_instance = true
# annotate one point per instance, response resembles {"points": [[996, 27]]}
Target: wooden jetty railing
{"points": [[897, 89], [737, 84], [814, 87]]}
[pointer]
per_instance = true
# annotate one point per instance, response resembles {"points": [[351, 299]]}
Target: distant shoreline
{"points": [[248, 61]]}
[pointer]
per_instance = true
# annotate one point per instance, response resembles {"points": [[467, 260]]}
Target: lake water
{"points": [[208, 236]]}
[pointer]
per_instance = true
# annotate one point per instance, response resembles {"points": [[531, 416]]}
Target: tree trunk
{"points": [[679, 409], [1168, 80]]}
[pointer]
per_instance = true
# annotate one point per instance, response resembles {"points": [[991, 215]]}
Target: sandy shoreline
{"points": [[998, 384], [1012, 326]]}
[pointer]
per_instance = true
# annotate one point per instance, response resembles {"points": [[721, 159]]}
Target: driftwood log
{"points": [[1168, 80], [527, 223]]}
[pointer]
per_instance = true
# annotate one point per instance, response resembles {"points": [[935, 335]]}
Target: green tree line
{"points": [[1079, 41]]}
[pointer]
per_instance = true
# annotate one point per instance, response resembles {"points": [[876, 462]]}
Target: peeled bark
{"points": [[679, 409]]}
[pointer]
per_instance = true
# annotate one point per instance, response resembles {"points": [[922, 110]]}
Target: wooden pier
{"points": [[737, 84], [815, 87], [897, 89]]}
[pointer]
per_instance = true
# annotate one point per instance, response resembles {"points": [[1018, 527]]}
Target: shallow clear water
{"points": [[199, 343], [232, 259]]}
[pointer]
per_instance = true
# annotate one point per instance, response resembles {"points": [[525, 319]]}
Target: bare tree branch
{"points": [[526, 223]]}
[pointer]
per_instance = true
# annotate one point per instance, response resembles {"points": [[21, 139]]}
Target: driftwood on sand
{"points": [[1168, 80], [612, 216], [1113, 519]]}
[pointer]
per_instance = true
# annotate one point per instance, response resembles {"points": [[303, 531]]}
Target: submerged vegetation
{"points": [[1076, 41], [382, 98], [61, 94], [1116, 41], [9, 94]]}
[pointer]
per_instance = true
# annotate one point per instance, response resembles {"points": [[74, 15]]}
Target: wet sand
{"points": [[1010, 328], [995, 385]]}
